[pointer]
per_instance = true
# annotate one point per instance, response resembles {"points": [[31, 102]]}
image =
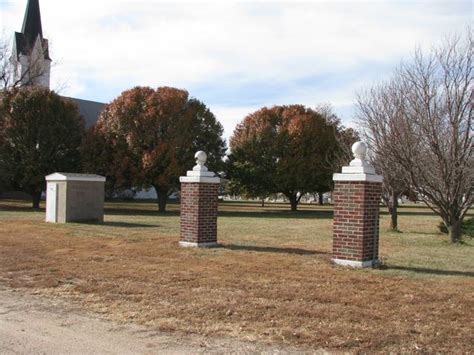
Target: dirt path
{"points": [[30, 324]]}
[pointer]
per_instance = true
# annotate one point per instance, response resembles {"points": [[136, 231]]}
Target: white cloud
{"points": [[119, 44]]}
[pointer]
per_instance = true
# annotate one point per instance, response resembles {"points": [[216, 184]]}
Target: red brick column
{"points": [[199, 200], [356, 196], [198, 214], [356, 222]]}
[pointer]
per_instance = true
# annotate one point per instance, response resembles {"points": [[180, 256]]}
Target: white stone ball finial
{"points": [[201, 158], [359, 149], [359, 166]]}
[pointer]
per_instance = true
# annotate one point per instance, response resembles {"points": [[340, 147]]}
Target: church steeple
{"points": [[30, 31], [32, 21], [30, 58]]}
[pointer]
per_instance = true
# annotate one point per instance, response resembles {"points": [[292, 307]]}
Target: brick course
{"points": [[356, 220], [199, 212]]}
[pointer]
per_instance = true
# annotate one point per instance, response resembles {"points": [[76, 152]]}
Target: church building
{"points": [[32, 64]]}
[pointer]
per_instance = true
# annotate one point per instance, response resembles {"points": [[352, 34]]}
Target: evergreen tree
{"points": [[40, 133]]}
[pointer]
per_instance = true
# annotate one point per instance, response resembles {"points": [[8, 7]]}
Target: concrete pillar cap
{"points": [[200, 172], [359, 169]]}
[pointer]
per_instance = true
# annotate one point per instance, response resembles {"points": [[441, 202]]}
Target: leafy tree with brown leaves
{"points": [[283, 149], [148, 137], [40, 133]]}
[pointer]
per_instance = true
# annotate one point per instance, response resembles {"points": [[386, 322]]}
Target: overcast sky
{"points": [[236, 56]]}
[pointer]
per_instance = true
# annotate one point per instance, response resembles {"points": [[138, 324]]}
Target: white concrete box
{"points": [[74, 198]]}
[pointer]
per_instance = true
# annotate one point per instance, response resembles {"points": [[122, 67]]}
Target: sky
{"points": [[237, 56]]}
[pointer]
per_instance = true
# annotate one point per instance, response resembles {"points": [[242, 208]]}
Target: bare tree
{"points": [[420, 125], [377, 116], [345, 137], [395, 183]]}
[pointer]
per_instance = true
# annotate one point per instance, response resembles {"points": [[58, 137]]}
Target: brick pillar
{"points": [[199, 190], [357, 193]]}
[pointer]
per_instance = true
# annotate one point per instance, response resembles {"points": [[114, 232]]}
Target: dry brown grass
{"points": [[271, 280]]}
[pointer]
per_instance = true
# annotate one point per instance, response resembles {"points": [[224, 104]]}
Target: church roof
{"points": [[89, 110], [31, 29], [24, 46]]}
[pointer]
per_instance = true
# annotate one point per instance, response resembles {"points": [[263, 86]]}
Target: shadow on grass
{"points": [[141, 210], [422, 270], [259, 249], [278, 214], [25, 209], [121, 224], [241, 214], [383, 211], [138, 212]]}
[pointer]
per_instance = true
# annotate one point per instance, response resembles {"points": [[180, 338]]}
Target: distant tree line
{"points": [[148, 138]]}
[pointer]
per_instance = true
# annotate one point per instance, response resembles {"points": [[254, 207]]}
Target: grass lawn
{"points": [[270, 280]]}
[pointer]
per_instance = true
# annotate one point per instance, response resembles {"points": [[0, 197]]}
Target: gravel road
{"points": [[32, 324]]}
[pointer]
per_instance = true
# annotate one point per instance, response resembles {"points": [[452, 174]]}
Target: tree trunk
{"points": [[36, 198], [293, 202], [455, 232], [393, 209], [162, 198], [320, 197], [263, 202]]}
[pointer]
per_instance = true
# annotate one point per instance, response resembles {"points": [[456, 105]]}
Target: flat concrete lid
{"points": [[74, 177]]}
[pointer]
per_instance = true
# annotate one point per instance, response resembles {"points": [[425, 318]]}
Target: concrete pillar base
{"points": [[197, 245], [356, 264]]}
